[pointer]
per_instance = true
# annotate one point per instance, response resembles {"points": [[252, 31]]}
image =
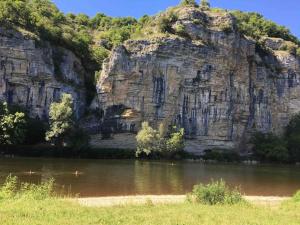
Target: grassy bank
{"points": [[57, 212], [30, 204]]}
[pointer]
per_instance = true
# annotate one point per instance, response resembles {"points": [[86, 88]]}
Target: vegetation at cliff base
{"points": [[63, 130], [284, 148], [159, 143], [12, 126]]}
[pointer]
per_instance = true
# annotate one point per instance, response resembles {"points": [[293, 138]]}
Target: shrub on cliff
{"points": [[188, 3], [216, 192], [166, 21], [158, 143], [204, 5]]}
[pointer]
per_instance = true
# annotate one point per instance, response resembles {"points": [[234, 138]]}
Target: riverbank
{"points": [[25, 211], [164, 199]]}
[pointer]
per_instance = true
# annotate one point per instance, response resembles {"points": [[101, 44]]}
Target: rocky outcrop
{"points": [[215, 83], [33, 74]]}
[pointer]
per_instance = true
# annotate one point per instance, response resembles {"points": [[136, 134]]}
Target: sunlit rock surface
{"points": [[33, 74], [216, 84]]}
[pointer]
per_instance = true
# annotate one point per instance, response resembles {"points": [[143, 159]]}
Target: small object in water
{"points": [[30, 172], [77, 173]]}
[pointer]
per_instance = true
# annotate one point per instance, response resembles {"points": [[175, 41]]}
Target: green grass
{"points": [[55, 211], [30, 204]]}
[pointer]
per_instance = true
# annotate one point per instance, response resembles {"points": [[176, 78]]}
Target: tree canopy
{"points": [[12, 126], [61, 120]]}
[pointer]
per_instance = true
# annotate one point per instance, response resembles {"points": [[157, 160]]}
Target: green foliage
{"points": [[35, 131], [12, 189], [151, 141], [188, 3], [147, 140], [9, 188], [61, 120], [12, 126], [204, 5], [180, 30], [292, 136], [296, 197], [78, 140], [166, 21], [216, 192], [99, 53], [298, 52], [37, 191], [222, 155], [256, 26], [175, 143], [269, 147]]}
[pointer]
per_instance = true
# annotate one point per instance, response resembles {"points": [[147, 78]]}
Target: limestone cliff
{"points": [[33, 74], [214, 82]]}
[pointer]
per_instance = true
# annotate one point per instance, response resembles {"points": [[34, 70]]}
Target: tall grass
{"points": [[12, 189]]}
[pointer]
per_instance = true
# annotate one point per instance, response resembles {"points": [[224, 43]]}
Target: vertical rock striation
{"points": [[33, 74]]}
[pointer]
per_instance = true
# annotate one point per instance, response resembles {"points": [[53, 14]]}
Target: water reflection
{"points": [[121, 177]]}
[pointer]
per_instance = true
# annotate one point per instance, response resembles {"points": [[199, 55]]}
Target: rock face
{"points": [[216, 84], [34, 74]]}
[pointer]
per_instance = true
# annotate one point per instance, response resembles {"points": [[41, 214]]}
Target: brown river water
{"points": [[129, 177]]}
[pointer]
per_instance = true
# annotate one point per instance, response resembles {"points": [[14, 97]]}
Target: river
{"points": [[129, 177]]}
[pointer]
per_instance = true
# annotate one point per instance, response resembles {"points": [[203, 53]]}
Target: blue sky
{"points": [[285, 12]]}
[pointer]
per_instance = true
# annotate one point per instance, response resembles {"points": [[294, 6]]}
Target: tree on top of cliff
{"points": [[204, 5], [256, 26], [188, 3]]}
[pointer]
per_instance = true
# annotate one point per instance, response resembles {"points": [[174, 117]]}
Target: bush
{"points": [[216, 192], [222, 155], [166, 21], [204, 5], [78, 140], [269, 147], [188, 3], [292, 136], [11, 189], [156, 143]]}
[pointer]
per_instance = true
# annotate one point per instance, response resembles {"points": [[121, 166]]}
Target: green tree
{"points": [[188, 3], [255, 25], [159, 142], [61, 120], [12, 126], [147, 140], [176, 142], [204, 5]]}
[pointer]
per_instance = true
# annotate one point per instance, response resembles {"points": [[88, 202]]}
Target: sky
{"points": [[283, 12]]}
